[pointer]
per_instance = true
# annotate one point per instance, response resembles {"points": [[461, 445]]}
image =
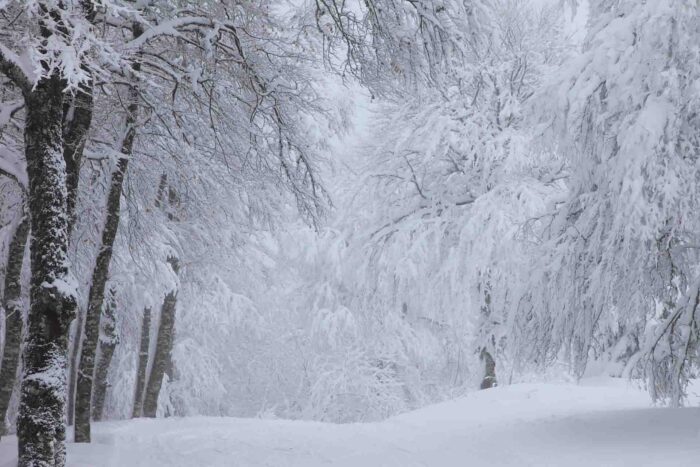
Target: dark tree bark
{"points": [[144, 346], [108, 342], [77, 118], [486, 326], [164, 347], [41, 416], [78, 110], [73, 368], [40, 421], [86, 368], [170, 411], [160, 195], [489, 380], [12, 304]]}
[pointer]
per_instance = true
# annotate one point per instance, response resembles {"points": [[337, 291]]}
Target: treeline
{"points": [[523, 204]]}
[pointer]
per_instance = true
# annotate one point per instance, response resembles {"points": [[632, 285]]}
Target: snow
{"points": [[601, 422]]}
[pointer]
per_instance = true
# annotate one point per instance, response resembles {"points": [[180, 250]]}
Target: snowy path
{"points": [[599, 423]]}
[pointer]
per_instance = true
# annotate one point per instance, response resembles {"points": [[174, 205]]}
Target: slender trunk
{"points": [[41, 419], [86, 368], [140, 393], [12, 303], [489, 380], [77, 118], [143, 363], [73, 368], [108, 342], [170, 410], [164, 347]]}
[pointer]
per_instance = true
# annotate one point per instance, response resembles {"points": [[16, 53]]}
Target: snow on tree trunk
{"points": [[12, 303], [41, 421], [486, 332], [77, 119], [73, 368], [164, 347], [143, 363], [489, 380], [76, 123], [108, 342], [86, 369]]}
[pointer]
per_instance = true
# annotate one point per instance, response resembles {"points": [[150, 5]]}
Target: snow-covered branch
{"points": [[16, 69]]}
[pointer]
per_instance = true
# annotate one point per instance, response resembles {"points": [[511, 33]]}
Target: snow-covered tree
{"points": [[620, 279], [394, 46], [392, 304], [56, 39]]}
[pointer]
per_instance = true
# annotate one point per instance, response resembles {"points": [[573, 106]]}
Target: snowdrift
{"points": [[601, 422]]}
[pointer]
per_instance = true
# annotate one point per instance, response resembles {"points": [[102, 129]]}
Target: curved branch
{"points": [[11, 67]]}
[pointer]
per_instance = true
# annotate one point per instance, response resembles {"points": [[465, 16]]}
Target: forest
{"points": [[251, 215]]}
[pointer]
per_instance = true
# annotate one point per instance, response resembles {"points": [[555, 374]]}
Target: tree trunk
{"points": [[170, 410], [86, 368], [486, 326], [143, 363], [108, 342], [489, 380], [73, 368], [41, 421], [77, 118], [164, 347], [12, 303]]}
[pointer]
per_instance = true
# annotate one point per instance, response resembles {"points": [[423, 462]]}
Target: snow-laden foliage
{"points": [[224, 148], [619, 279], [390, 305], [462, 185]]}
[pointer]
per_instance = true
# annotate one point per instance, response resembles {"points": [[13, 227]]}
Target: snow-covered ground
{"points": [[601, 422]]}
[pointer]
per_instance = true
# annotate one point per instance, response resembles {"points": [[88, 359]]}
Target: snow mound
{"points": [[600, 422]]}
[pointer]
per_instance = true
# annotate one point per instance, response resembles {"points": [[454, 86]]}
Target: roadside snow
{"points": [[601, 422]]}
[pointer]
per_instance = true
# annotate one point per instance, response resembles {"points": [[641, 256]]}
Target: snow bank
{"points": [[600, 422]]}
